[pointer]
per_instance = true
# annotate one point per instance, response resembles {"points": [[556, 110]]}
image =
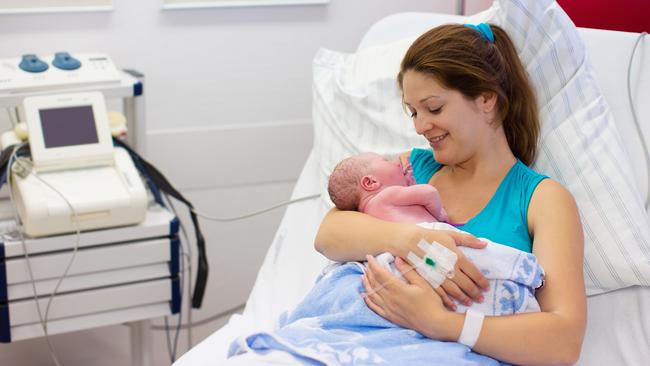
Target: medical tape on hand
{"points": [[436, 265]]}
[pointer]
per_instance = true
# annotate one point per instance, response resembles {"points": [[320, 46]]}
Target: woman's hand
{"points": [[468, 281], [412, 305]]}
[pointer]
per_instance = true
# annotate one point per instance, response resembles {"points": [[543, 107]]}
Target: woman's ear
{"points": [[487, 102], [369, 183]]}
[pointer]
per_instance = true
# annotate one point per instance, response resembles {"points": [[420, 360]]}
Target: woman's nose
{"points": [[422, 125]]}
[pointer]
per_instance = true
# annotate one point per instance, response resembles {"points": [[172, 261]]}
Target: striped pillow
{"points": [[357, 108]]}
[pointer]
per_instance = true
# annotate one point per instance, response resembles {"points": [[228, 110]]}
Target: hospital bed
{"points": [[618, 330]]}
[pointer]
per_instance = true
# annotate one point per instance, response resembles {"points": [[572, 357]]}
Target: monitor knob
{"points": [[31, 63]]}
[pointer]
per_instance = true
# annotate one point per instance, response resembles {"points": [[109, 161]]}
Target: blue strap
{"points": [[5, 328], [174, 261], [4, 297], [175, 303]]}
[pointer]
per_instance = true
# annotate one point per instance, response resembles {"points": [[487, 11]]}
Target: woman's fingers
{"points": [[470, 270], [455, 292], [414, 278], [374, 307], [370, 282], [467, 286], [409, 273], [467, 240], [464, 287], [371, 292], [376, 278], [446, 300], [379, 274]]}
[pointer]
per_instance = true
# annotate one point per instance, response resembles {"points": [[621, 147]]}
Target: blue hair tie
{"points": [[484, 29]]}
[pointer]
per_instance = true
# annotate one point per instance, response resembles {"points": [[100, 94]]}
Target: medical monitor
{"points": [[68, 131], [68, 126]]}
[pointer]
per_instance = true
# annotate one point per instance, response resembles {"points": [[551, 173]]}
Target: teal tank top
{"points": [[504, 219]]}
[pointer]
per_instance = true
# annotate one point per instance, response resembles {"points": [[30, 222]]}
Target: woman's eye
{"points": [[414, 114], [435, 111]]}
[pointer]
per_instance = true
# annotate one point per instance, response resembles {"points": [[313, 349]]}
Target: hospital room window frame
{"points": [[195, 4]]}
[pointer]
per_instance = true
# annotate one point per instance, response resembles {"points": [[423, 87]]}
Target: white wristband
{"points": [[471, 328]]}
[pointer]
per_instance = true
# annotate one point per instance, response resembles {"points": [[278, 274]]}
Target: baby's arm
{"points": [[418, 194]]}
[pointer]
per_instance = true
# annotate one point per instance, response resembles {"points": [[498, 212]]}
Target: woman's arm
{"points": [[350, 236], [553, 336], [346, 236]]}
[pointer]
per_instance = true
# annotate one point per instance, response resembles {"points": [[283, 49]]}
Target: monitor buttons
{"points": [[63, 61], [31, 63]]}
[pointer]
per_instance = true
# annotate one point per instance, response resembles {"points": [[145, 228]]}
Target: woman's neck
{"points": [[492, 160]]}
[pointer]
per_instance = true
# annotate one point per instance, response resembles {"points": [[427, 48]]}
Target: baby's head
{"points": [[362, 174]]}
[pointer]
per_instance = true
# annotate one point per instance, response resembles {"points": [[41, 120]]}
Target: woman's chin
{"points": [[440, 154]]}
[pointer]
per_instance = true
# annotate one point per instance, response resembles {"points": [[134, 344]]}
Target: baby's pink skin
{"points": [[386, 193]]}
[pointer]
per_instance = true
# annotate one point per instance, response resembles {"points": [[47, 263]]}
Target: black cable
{"points": [[163, 184]]}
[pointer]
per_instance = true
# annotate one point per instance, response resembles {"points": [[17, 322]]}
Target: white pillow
{"points": [[357, 108]]}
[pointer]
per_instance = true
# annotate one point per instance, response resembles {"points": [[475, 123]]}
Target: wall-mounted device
{"points": [[72, 152], [33, 72]]}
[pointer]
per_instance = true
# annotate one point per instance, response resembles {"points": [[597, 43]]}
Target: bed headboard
{"points": [[626, 15], [609, 53]]}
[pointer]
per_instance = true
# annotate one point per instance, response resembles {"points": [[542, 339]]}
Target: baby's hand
{"points": [[443, 215], [408, 173]]}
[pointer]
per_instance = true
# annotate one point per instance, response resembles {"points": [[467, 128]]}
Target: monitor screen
{"points": [[68, 126]]}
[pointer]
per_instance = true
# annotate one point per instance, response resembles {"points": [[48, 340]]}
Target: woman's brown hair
{"points": [[462, 59]]}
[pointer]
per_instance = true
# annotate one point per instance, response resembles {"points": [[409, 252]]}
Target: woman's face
{"points": [[456, 127]]}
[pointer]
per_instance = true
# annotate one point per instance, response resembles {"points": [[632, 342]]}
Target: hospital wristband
{"points": [[471, 328]]}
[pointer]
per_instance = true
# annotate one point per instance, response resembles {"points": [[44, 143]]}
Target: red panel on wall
{"points": [[622, 15]]}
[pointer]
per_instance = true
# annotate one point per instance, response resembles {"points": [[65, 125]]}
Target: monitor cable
{"points": [[189, 325], [23, 168]]}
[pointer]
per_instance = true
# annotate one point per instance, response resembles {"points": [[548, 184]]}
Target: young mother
{"points": [[469, 95]]}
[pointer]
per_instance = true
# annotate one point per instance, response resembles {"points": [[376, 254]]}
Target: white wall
{"points": [[229, 91], [209, 67]]}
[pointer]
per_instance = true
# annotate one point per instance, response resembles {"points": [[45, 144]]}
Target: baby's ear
{"points": [[369, 183]]}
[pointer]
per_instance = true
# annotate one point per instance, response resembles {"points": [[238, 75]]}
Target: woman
{"points": [[469, 95]]}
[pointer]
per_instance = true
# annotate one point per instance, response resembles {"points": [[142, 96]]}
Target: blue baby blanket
{"points": [[333, 325]]}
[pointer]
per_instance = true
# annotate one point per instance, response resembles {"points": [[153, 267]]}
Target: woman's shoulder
{"points": [[526, 179], [529, 172], [550, 196], [552, 189]]}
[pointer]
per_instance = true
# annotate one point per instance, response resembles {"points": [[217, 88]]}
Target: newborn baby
{"points": [[384, 189]]}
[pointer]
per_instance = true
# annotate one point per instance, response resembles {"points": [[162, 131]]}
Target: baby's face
{"points": [[388, 173]]}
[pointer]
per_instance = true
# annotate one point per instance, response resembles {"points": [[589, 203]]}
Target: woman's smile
{"points": [[436, 140]]}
